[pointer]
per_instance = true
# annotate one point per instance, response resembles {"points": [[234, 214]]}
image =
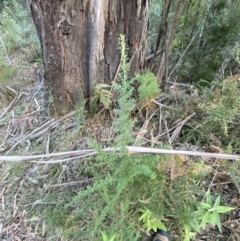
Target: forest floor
{"points": [[24, 131]]}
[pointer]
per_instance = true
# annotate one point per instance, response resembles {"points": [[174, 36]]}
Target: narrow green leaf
{"points": [[188, 234], [104, 236], [161, 225], [113, 237], [224, 209], [200, 212], [142, 216], [205, 220], [205, 205], [217, 221], [154, 227], [195, 224], [145, 214], [149, 226], [209, 199], [217, 202]]}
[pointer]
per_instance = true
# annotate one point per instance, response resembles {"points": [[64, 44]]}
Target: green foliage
{"points": [[154, 19], [209, 212], [7, 73], [120, 179], [123, 123], [226, 108], [223, 108], [188, 234], [126, 184], [148, 88], [235, 52], [217, 30], [114, 173], [216, 116], [196, 215], [205, 33], [17, 32], [106, 238], [206, 213], [215, 125], [55, 216], [151, 223]]}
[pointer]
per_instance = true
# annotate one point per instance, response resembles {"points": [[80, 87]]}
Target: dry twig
{"points": [[72, 155]]}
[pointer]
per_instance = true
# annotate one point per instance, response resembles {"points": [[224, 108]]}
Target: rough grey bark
{"points": [[79, 40]]}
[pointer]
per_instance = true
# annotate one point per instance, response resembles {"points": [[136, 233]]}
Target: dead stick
{"points": [[131, 150]]}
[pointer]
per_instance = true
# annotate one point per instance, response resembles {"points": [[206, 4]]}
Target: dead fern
{"points": [[101, 95]]}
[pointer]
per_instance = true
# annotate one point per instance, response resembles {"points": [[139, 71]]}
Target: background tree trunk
{"points": [[79, 40], [163, 67]]}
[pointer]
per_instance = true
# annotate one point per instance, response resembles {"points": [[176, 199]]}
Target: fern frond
{"points": [[102, 94]]}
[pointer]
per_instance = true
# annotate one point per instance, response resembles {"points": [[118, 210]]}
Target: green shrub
{"points": [[217, 115], [132, 187], [161, 191], [148, 88], [17, 32]]}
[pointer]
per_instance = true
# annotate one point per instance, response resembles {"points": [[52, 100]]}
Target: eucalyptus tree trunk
{"points": [[79, 40]]}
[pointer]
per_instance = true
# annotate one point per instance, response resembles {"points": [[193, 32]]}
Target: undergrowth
{"points": [[149, 87], [125, 185], [18, 40], [217, 117], [166, 191]]}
